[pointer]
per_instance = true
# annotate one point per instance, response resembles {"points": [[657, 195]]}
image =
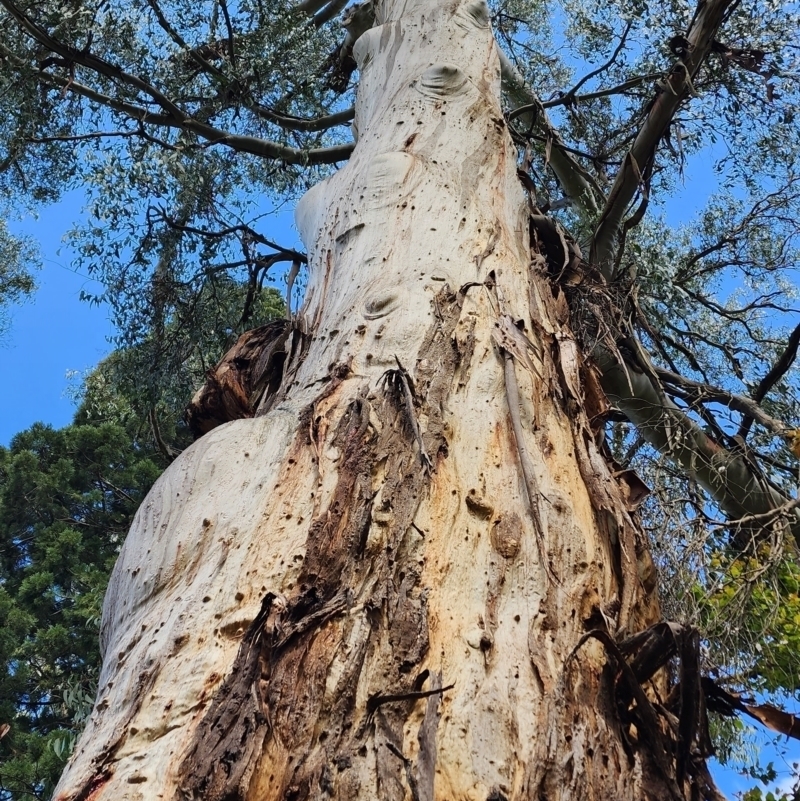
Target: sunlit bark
{"points": [[372, 589]]}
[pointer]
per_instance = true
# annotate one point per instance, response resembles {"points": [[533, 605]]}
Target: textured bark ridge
{"points": [[376, 588]]}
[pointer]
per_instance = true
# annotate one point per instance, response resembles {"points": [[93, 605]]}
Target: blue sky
{"points": [[52, 333]]}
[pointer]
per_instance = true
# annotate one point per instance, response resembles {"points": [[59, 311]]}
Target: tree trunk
{"points": [[372, 590]]}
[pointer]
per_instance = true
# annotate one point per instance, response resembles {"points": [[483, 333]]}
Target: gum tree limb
{"points": [[243, 144], [733, 482], [574, 179], [676, 87]]}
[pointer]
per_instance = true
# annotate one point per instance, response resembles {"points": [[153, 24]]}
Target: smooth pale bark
{"points": [[292, 578]]}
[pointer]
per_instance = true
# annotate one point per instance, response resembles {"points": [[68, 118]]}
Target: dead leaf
{"points": [[793, 438]]}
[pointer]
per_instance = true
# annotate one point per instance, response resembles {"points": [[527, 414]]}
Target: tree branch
{"points": [[734, 484], [173, 116], [594, 73], [214, 136], [329, 12], [778, 370], [193, 52], [289, 123], [711, 394], [569, 98], [229, 26], [234, 229], [574, 179], [675, 88]]}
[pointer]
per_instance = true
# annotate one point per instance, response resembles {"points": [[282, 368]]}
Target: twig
{"points": [[166, 451], [379, 700], [568, 98], [293, 271], [409, 768], [594, 73], [401, 375]]}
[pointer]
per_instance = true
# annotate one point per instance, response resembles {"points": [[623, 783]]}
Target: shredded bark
{"points": [[249, 371], [276, 689]]}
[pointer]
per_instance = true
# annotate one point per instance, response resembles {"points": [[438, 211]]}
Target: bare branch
{"points": [[594, 73], [41, 140], [570, 99], [329, 12], [778, 370], [231, 37], [310, 6], [710, 394], [234, 229], [289, 123]]}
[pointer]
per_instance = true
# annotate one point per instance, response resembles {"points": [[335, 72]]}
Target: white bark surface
{"points": [[445, 574]]}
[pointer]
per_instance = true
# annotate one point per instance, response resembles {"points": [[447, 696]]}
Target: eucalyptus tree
{"points": [[17, 262], [415, 569]]}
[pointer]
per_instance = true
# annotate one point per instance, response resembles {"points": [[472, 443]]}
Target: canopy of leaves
{"points": [[17, 259], [67, 499]]}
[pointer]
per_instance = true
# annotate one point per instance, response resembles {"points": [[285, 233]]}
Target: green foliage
{"points": [[67, 498], [17, 259], [150, 382], [765, 592]]}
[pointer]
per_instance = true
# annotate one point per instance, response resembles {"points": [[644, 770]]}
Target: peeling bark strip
{"points": [[217, 766], [231, 734], [276, 687]]}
